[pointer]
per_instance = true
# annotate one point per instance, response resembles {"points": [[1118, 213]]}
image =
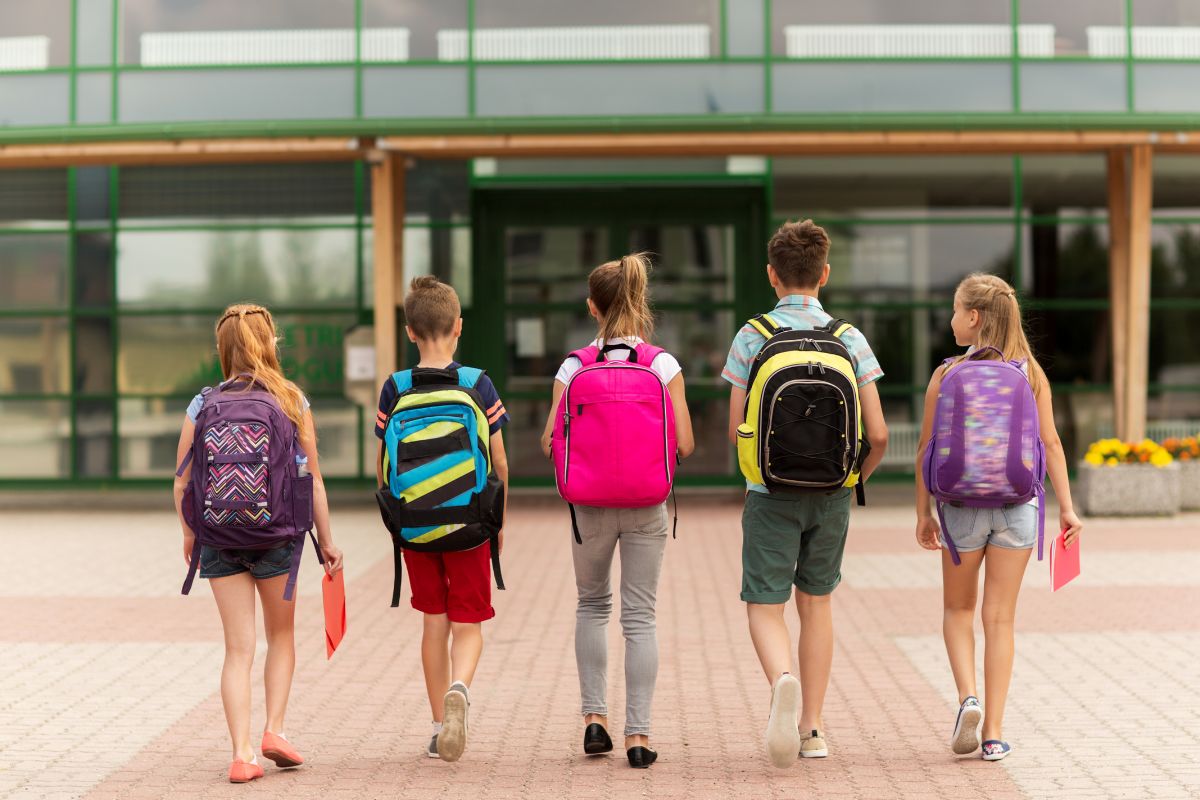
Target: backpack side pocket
{"points": [[302, 502]]}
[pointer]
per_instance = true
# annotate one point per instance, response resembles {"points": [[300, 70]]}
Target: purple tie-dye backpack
{"points": [[986, 449], [245, 491]]}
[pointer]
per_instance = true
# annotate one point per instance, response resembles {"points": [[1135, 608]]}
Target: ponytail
{"points": [[620, 292], [247, 344], [1001, 324]]}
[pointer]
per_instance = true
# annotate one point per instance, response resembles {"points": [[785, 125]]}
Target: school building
{"points": [[162, 158]]}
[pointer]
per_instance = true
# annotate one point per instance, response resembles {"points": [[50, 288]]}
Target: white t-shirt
{"points": [[664, 363]]}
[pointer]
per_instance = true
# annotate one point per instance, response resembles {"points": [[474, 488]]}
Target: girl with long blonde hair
{"points": [[247, 347], [988, 315]]}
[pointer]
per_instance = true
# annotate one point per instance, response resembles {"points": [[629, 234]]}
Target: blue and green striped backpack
{"points": [[440, 492]]}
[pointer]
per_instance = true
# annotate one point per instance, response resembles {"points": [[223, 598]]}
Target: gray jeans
{"points": [[641, 534]]}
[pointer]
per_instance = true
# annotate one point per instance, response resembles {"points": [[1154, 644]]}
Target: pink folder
{"points": [[333, 596], [1064, 562]]}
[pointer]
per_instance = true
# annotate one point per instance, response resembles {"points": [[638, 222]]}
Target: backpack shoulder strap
{"points": [[765, 325], [838, 327], [468, 377], [646, 353], [403, 380], [587, 355]]}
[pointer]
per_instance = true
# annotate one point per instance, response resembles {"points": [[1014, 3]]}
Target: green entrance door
{"points": [[533, 250]]}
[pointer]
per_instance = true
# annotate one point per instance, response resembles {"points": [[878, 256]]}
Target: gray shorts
{"points": [[1011, 527]]}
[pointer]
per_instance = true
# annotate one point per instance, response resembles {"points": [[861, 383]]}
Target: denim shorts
{"points": [[1011, 527], [261, 564]]}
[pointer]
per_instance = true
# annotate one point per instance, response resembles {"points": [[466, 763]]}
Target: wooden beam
{"points": [[183, 151], [1138, 287], [1118, 280], [387, 217]]}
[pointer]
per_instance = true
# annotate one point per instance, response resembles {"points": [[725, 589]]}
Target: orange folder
{"points": [[333, 596], [1064, 562]]}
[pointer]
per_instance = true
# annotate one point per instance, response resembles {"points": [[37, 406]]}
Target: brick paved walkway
{"points": [[110, 678]]}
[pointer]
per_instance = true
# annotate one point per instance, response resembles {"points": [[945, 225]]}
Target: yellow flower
{"points": [[1111, 461], [1094, 458], [1161, 458]]}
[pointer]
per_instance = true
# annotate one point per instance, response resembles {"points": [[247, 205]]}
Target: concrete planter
{"points": [[1129, 490], [1189, 485]]}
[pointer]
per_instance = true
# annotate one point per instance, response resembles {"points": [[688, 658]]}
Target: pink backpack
{"points": [[614, 434]]}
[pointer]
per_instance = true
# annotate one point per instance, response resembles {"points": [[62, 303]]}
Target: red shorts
{"points": [[458, 584]]}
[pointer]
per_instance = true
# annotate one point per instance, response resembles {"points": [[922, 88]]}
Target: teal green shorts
{"points": [[793, 540]]}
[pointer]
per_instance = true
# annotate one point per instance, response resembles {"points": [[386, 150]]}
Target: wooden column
{"points": [[1137, 375], [1118, 279], [387, 216]]}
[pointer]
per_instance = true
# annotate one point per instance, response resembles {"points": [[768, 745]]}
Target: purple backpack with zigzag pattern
{"points": [[245, 491]]}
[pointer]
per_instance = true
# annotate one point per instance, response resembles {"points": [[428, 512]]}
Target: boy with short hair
{"points": [[452, 589], [796, 541]]}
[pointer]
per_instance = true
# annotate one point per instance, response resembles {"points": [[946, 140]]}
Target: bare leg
{"points": [[465, 649], [1001, 584], [771, 640], [816, 655], [279, 618], [235, 603], [960, 588], [435, 660]]}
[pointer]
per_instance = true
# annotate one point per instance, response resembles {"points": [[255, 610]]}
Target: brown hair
{"points": [[247, 344], [1001, 326], [619, 291], [431, 308], [799, 252]]}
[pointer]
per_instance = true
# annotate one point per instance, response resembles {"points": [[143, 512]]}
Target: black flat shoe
{"points": [[595, 740], [641, 757]]}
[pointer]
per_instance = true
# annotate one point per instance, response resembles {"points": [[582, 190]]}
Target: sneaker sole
{"points": [[966, 733], [453, 738], [783, 738], [432, 755], [997, 757], [814, 753], [282, 761]]}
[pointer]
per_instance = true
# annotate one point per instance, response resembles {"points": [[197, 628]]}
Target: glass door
{"points": [[534, 250]]}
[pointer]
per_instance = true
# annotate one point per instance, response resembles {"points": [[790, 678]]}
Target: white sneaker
{"points": [[783, 739], [965, 739], [813, 746], [432, 750], [453, 738]]}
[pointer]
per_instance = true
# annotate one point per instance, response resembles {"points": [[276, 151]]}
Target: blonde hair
{"points": [[431, 308], [619, 290], [247, 344], [1001, 326]]}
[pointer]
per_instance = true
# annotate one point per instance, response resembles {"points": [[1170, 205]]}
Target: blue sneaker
{"points": [[994, 750], [966, 728]]}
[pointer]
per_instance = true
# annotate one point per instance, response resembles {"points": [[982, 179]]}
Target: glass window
{"points": [[93, 355], [744, 23], [34, 99], [35, 36], [93, 98], [1072, 345], [35, 355], [34, 438], [33, 197], [339, 425], [550, 264], [259, 193], [501, 168], [436, 190], [149, 430], [690, 262], [423, 21], [177, 354], [210, 269], [93, 32], [1175, 260], [143, 23], [901, 263], [1166, 13], [1067, 184], [1174, 351], [1066, 260], [597, 90], [428, 250], [236, 94], [1175, 180], [33, 270], [1064, 87], [93, 438], [900, 88], [403, 92], [909, 342], [668, 29], [1071, 20], [1173, 412], [93, 270], [983, 25], [1166, 87], [893, 186]]}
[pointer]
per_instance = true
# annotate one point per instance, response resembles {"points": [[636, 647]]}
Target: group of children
{"points": [[804, 413]]}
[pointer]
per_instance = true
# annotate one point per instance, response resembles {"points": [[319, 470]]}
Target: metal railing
{"points": [[916, 41], [608, 42], [1111, 41], [24, 52], [194, 48]]}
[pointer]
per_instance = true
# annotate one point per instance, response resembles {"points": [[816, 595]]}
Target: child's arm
{"points": [[500, 464], [181, 481], [876, 427], [927, 526], [685, 440], [308, 443], [548, 434], [1056, 466], [737, 411]]}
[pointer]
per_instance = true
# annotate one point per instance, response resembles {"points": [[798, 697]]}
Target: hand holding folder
{"points": [[1064, 562], [333, 596]]}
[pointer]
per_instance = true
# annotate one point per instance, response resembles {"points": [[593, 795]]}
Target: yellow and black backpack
{"points": [[803, 430]]}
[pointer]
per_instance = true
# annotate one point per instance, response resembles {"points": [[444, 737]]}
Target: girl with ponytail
{"points": [[247, 348], [987, 315], [618, 301]]}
